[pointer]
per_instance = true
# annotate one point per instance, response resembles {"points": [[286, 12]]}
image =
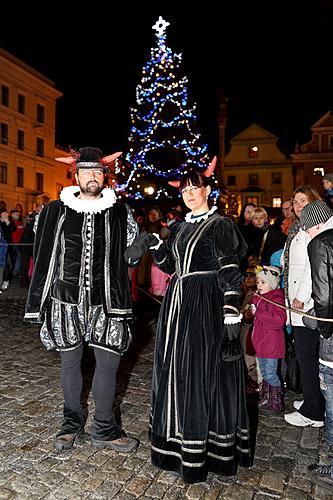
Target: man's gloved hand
{"points": [[140, 246]]}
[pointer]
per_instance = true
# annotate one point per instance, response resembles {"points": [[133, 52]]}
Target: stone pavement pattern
{"points": [[31, 411]]}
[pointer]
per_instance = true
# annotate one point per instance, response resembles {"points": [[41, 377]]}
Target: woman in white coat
{"points": [[298, 288]]}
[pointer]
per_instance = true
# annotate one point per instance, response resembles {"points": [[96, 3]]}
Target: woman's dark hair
{"points": [[241, 220], [193, 177]]}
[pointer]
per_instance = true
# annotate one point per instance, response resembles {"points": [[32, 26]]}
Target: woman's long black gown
{"points": [[199, 420]]}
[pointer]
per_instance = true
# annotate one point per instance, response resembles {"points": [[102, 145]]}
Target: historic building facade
{"points": [[314, 159], [256, 171], [29, 175]]}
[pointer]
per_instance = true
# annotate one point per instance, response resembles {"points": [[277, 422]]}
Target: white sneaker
{"points": [[5, 285], [298, 404], [299, 420]]}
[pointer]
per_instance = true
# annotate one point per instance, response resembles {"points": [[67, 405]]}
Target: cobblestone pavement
{"points": [[30, 415]]}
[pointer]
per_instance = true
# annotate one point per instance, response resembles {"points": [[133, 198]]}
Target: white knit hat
{"points": [[314, 213], [271, 275]]}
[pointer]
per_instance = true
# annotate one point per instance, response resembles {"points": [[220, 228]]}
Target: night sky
{"points": [[274, 61]]}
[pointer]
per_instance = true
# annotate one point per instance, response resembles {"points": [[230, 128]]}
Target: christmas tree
{"points": [[164, 141]]}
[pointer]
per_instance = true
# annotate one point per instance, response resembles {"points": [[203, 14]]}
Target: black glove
{"points": [[140, 246], [308, 322], [233, 331]]}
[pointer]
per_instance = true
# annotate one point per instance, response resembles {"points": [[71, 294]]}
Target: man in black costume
{"points": [[80, 293]]}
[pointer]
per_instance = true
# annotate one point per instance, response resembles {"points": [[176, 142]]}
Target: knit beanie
{"points": [[271, 275], [314, 213], [328, 177]]}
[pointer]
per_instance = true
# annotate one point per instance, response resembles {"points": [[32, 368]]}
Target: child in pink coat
{"points": [[268, 335]]}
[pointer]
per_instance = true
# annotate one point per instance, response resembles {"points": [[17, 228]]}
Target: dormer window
{"points": [[253, 151]]}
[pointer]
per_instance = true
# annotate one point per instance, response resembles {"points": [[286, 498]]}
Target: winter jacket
{"points": [[299, 275], [3, 249], [320, 250], [269, 320]]}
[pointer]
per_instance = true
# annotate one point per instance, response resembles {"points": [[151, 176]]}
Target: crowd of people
{"points": [[233, 296], [16, 246]]}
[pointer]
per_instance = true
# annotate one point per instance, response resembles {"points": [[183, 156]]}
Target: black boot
{"points": [[72, 429]]}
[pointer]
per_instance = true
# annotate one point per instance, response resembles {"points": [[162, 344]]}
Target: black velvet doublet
{"points": [[59, 261], [199, 420]]}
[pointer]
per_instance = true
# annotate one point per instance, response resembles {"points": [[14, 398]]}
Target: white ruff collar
{"points": [[202, 217], [69, 199]]}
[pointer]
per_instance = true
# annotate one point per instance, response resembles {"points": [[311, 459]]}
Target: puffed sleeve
{"points": [[230, 247]]}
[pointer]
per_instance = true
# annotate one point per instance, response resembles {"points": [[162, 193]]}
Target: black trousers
{"points": [[306, 343], [103, 383]]}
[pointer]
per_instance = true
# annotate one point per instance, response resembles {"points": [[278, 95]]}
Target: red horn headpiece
{"points": [[207, 173]]}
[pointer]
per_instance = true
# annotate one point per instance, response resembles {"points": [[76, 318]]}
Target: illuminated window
{"points": [[252, 200], [277, 202], [253, 152]]}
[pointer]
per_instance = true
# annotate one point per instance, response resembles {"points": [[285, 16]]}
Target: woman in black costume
{"points": [[198, 420]]}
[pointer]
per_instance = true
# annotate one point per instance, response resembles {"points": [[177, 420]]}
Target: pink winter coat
{"points": [[269, 320]]}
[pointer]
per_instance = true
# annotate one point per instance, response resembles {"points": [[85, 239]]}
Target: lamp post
{"points": [[222, 122]]}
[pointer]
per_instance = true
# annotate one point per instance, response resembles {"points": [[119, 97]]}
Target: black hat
{"points": [[314, 213], [89, 158]]}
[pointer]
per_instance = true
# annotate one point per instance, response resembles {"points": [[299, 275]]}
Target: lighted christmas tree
{"points": [[164, 141]]}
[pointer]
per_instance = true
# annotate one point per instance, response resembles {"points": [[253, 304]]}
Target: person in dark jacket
{"points": [[262, 238], [317, 219], [80, 293]]}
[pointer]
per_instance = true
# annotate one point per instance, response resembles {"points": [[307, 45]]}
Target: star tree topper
{"points": [[160, 26]]}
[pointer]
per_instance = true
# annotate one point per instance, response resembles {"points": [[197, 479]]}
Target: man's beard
{"points": [[92, 188]]}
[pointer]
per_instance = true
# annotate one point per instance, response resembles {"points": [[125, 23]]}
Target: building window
{"points": [[40, 113], [40, 182], [277, 202], [20, 177], [20, 139], [40, 147], [21, 104], [4, 133], [252, 200], [253, 179], [4, 95], [276, 179], [3, 172], [253, 152], [231, 180]]}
